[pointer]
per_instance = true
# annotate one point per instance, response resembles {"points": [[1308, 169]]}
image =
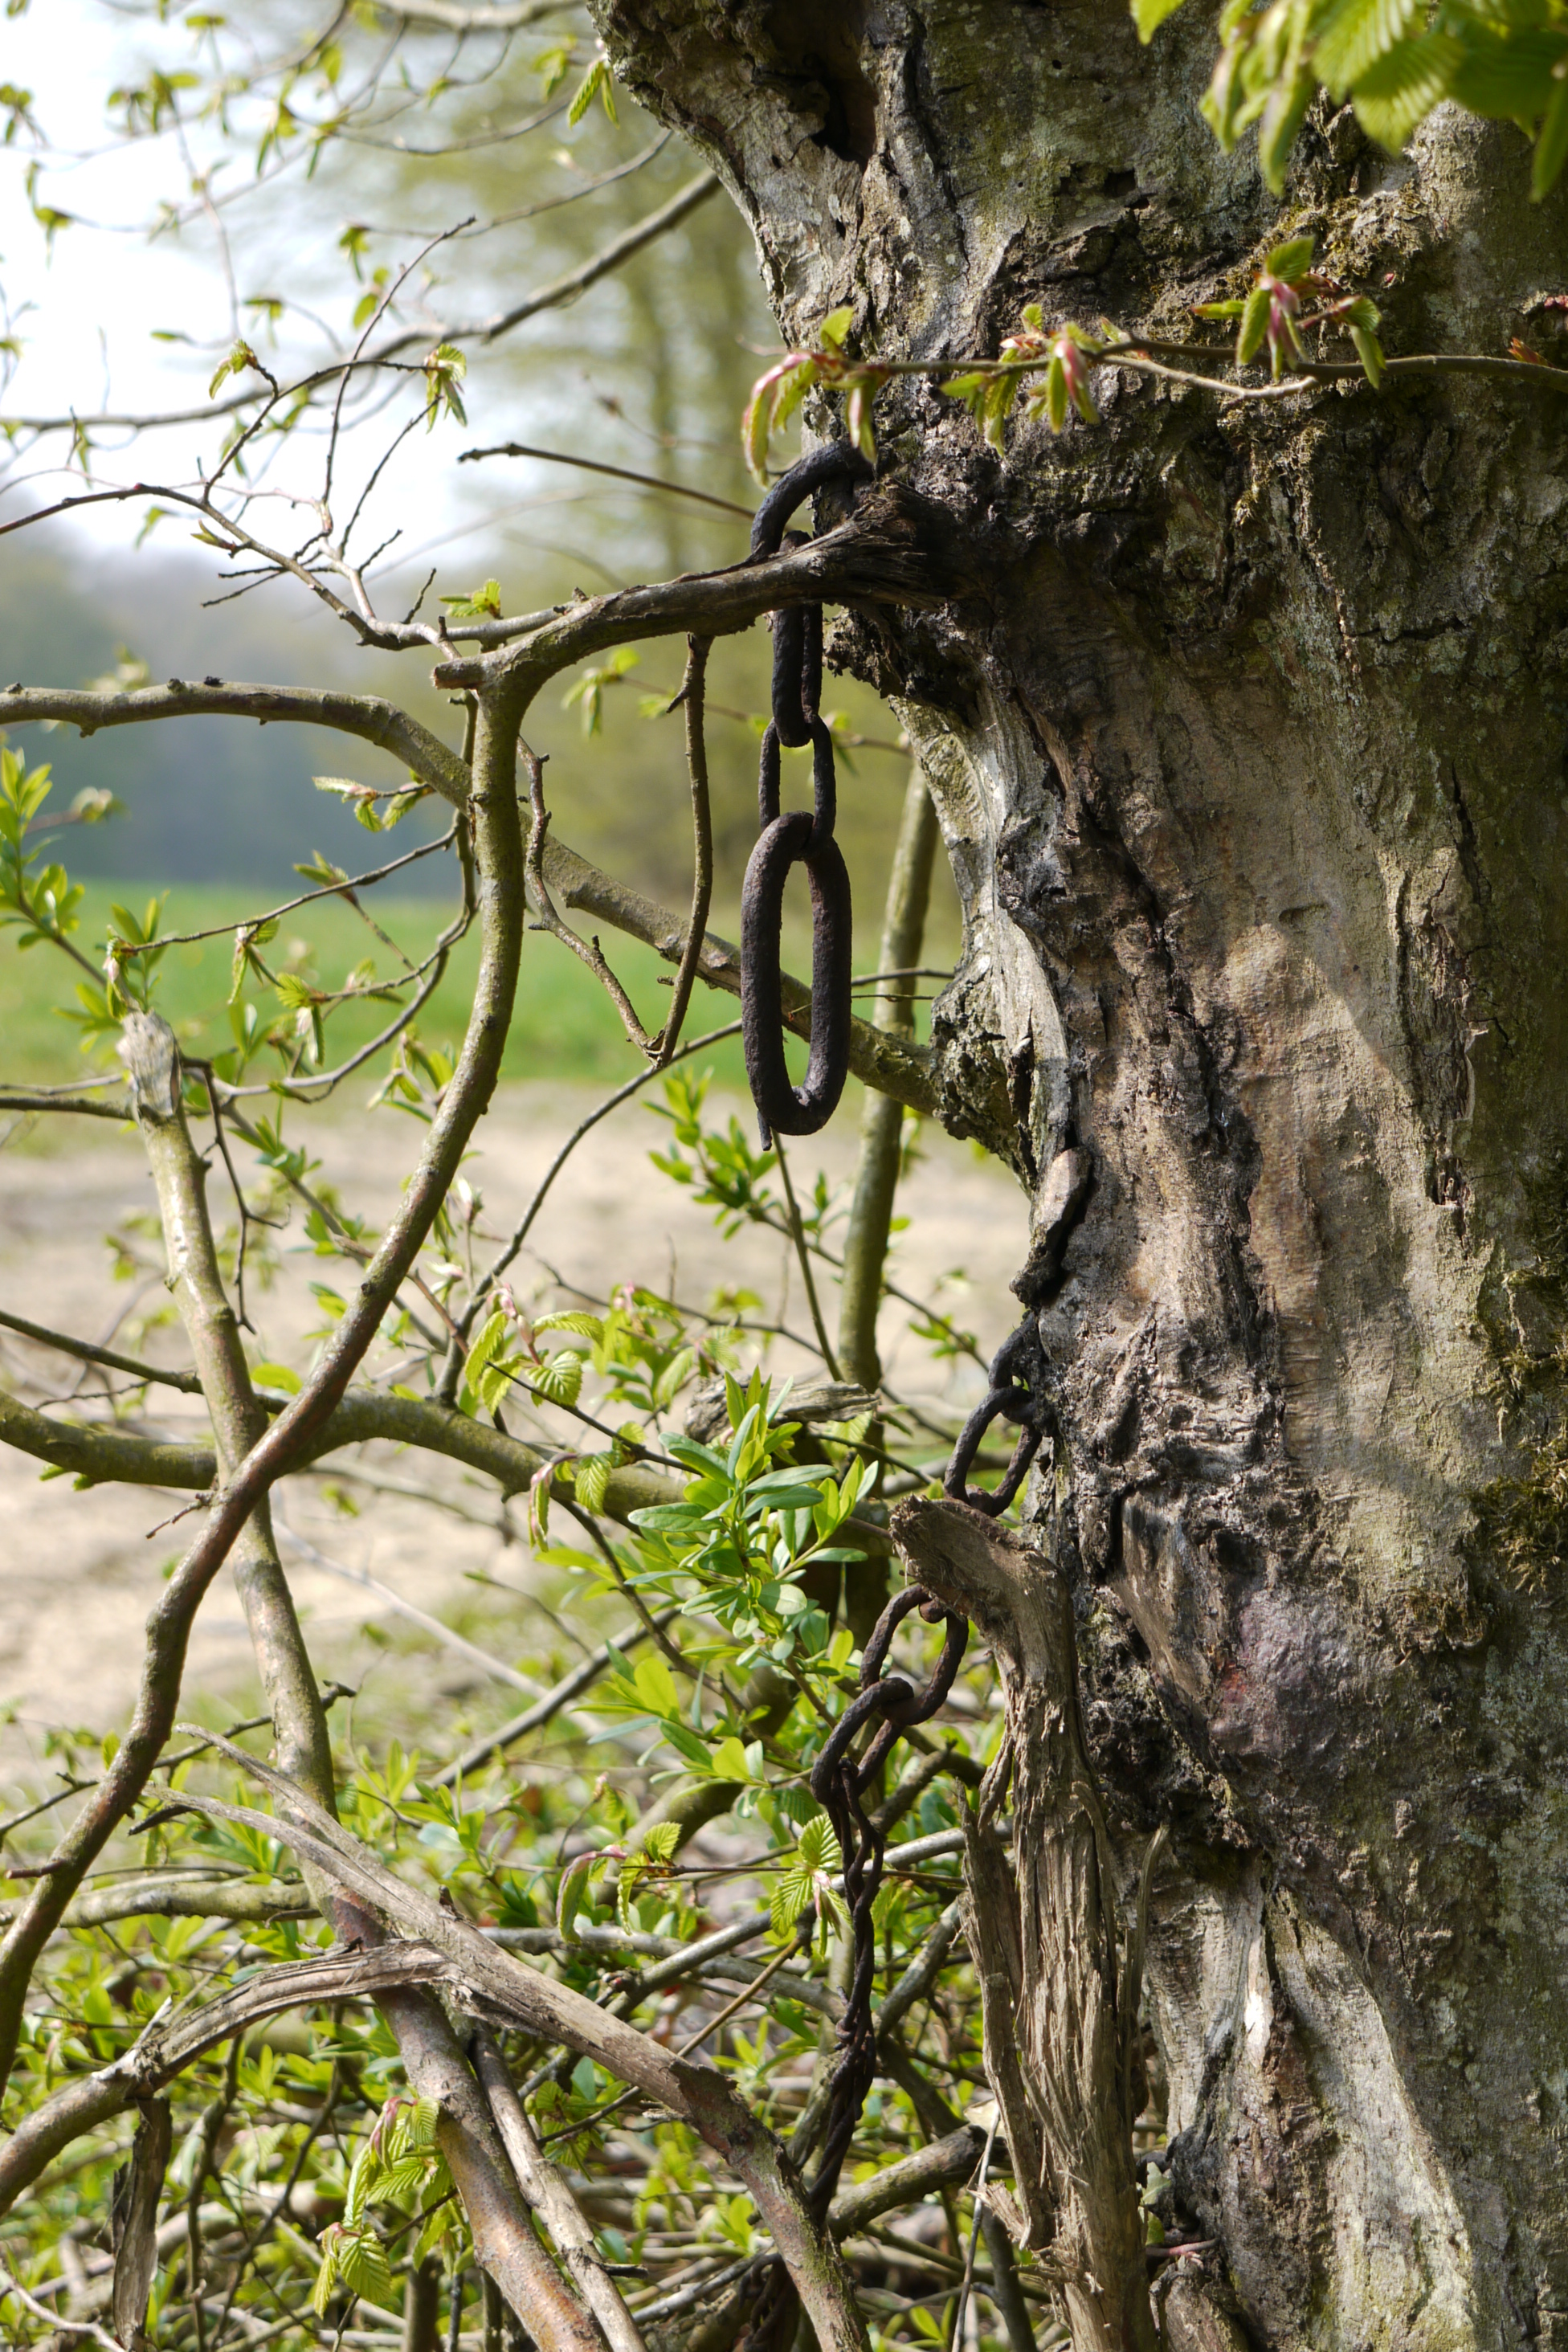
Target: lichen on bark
{"points": [[1247, 744]]}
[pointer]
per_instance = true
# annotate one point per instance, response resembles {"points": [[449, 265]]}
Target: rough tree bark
{"points": [[1249, 760]]}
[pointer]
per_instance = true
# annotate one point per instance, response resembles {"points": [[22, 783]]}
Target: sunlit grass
{"points": [[563, 1027]]}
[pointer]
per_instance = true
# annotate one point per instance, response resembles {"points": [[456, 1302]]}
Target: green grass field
{"points": [[563, 1027]]}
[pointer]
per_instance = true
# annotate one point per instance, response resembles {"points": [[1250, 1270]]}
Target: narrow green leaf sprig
{"points": [[1272, 316], [1394, 61]]}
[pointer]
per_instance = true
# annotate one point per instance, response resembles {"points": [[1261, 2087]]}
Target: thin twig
{"points": [[797, 1234], [691, 692], [10, 2286], [882, 1120], [416, 1616], [586, 951], [968, 2280], [88, 1354], [545, 1709], [619, 473], [488, 1281]]}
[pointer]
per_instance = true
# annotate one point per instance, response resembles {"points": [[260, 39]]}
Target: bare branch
{"points": [[561, 290], [112, 1456], [544, 2189], [588, 952], [105, 1457], [895, 549], [881, 1125], [616, 473], [545, 1709], [183, 1898], [520, 1231], [692, 2089], [488, 17], [941, 2164], [367, 716], [88, 1354], [433, 2062], [1060, 1998], [691, 697], [41, 1099]]}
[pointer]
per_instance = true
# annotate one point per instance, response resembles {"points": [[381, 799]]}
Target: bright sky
{"points": [[86, 313], [90, 312]]}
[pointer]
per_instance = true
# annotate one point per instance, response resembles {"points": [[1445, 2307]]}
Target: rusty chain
{"points": [[838, 1781], [1016, 1391], [1016, 1375], [798, 836]]}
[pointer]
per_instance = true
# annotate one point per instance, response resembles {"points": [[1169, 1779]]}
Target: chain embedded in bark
{"points": [[1016, 1391], [798, 835]]}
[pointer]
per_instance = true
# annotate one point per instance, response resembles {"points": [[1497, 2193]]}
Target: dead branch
{"points": [[1059, 2005], [495, 1984]]}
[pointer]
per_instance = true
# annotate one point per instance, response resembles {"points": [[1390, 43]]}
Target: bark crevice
{"points": [[1246, 728]]}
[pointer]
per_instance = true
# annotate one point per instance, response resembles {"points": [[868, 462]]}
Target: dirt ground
{"points": [[82, 1569]]}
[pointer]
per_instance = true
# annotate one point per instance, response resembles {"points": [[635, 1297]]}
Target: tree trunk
{"points": [[1249, 760]]}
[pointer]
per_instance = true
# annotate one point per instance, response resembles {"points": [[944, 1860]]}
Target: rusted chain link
{"points": [[838, 1782], [798, 836], [1016, 1392]]}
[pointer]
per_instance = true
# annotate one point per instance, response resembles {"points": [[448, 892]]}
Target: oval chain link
{"points": [[798, 836]]}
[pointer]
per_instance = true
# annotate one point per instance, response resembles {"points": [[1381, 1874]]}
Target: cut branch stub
{"points": [[135, 2221], [1056, 1997]]}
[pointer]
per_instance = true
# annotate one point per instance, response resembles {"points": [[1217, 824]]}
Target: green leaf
{"points": [[857, 422], [327, 2276], [656, 1685], [1404, 87], [586, 1327], [573, 1893], [595, 83], [687, 1743], [559, 1379], [1253, 326], [490, 1341], [239, 358], [818, 1848], [1507, 71], [479, 604], [788, 394], [1368, 351], [362, 2265], [1282, 118], [591, 1479], [1290, 262], [495, 1381], [1149, 15], [673, 1378], [1231, 310], [796, 1804], [836, 326], [728, 1760], [1551, 147], [790, 1896], [1056, 393], [1357, 33]]}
